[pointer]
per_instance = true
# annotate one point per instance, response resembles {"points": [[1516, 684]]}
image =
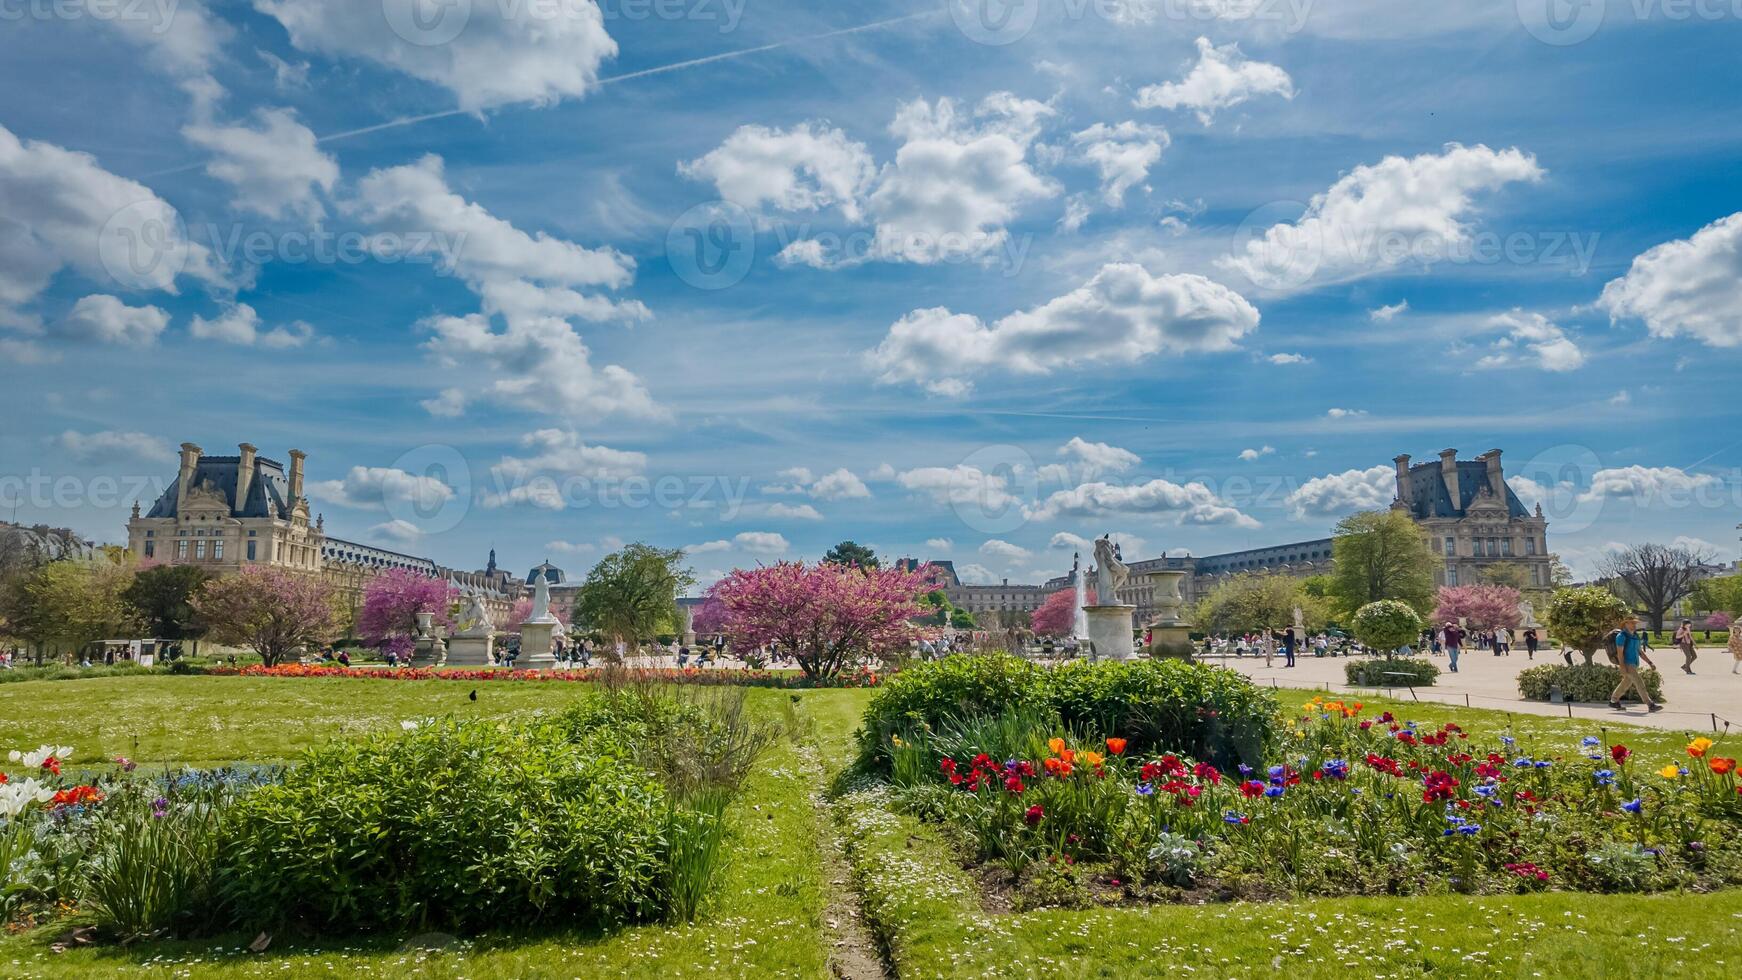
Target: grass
{"points": [[766, 919], [772, 916]]}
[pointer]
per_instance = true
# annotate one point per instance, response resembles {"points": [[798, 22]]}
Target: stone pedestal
{"points": [[1110, 631], [470, 651], [535, 646], [1171, 640]]}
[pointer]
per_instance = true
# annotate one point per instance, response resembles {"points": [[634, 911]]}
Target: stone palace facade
{"points": [[225, 513], [1469, 516]]}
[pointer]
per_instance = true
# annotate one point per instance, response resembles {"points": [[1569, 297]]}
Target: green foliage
{"points": [[1381, 555], [1585, 682], [1159, 705], [1384, 671], [1249, 602], [67, 604], [1722, 594], [1386, 624], [851, 553], [154, 871], [632, 594], [457, 826], [162, 597], [1582, 617]]}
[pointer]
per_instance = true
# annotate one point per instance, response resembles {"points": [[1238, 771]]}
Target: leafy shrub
{"points": [[1162, 705], [455, 825], [1386, 624], [153, 869], [1382, 671], [1212, 713], [1586, 682]]}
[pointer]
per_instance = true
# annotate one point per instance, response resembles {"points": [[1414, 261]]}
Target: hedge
{"points": [[1373, 672], [1593, 682], [1158, 705]]}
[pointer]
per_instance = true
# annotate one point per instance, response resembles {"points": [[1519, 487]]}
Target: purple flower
{"points": [[1633, 806]]}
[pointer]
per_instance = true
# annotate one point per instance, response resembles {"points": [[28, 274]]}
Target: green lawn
{"points": [[777, 912]]}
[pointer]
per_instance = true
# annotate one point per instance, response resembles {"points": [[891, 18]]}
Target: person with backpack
{"points": [[1630, 650], [1684, 638]]}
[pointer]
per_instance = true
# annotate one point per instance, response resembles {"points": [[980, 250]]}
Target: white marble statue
{"points": [[476, 618], [541, 602], [1110, 573]]}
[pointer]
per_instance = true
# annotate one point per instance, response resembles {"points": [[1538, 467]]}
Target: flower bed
{"points": [[1349, 805], [636, 675]]}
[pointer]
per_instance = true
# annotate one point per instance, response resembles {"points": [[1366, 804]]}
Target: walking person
{"points": [[1631, 644], [1502, 642], [1454, 639], [1684, 638], [1530, 642], [1735, 648], [1268, 642], [1288, 644]]}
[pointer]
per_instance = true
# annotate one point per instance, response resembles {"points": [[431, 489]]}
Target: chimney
{"points": [[244, 477], [190, 458], [296, 458], [1449, 476], [1496, 478], [1403, 493]]}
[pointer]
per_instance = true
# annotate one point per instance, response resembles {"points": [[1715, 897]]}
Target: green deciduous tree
{"points": [[1251, 602], [1582, 617], [1381, 555], [1386, 625], [162, 597], [631, 595], [67, 605]]}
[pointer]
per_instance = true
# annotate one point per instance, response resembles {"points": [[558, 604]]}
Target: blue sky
{"points": [[1191, 271]]}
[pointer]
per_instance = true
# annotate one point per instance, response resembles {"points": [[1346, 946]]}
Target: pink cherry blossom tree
{"points": [[1719, 621], [522, 611], [1483, 607], [825, 615], [711, 616], [1058, 614], [272, 611], [391, 603]]}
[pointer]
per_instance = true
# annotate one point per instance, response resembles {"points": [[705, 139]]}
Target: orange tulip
{"points": [[1723, 767], [1056, 746], [1116, 746], [1093, 758]]}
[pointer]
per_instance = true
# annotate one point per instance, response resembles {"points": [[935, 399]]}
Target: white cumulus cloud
{"points": [[1222, 78], [1691, 287], [1336, 494]]}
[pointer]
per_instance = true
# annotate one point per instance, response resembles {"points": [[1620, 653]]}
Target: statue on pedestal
{"points": [[1110, 573]]}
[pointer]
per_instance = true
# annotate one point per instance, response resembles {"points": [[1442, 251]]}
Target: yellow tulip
{"points": [[1669, 772]]}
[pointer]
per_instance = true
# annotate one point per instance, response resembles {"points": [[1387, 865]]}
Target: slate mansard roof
{"points": [[267, 494], [1429, 499]]}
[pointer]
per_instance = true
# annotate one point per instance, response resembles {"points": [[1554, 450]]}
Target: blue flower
{"points": [[1486, 790], [1605, 777], [1336, 769], [1276, 772], [1590, 741], [1470, 829], [1232, 817], [1633, 805], [1245, 770], [1521, 763], [1543, 763], [1508, 740], [1144, 789], [1274, 792]]}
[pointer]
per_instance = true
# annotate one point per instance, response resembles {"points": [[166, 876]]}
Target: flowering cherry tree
{"points": [[272, 611], [825, 615], [522, 611], [711, 616], [1058, 614], [391, 603], [1483, 607], [1719, 621]]}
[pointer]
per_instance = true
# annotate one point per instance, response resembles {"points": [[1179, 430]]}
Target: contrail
{"points": [[645, 72], [608, 80]]}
